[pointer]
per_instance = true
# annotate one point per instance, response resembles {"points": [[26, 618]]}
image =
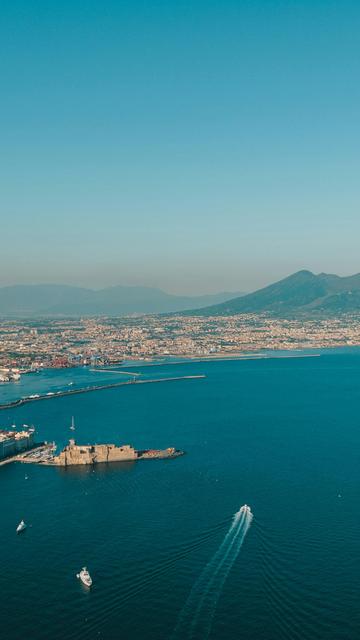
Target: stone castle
{"points": [[74, 454], [91, 454]]}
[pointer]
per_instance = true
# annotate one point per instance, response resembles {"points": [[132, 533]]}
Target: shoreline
{"points": [[220, 358]]}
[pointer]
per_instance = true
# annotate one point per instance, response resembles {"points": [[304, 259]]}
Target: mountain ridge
{"points": [[67, 300], [301, 292]]}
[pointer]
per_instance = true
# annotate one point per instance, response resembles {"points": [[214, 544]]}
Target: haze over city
{"points": [[198, 147]]}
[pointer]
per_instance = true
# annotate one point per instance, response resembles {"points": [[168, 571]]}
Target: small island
{"points": [[74, 454]]}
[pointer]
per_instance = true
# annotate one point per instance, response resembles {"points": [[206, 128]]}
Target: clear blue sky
{"points": [[196, 146]]}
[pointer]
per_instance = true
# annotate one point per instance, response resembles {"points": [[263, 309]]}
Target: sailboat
{"points": [[72, 427]]}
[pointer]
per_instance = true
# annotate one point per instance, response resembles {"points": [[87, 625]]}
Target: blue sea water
{"points": [[282, 435]]}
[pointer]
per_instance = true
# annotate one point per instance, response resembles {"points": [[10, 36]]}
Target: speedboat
{"points": [[85, 577], [245, 509], [21, 526]]}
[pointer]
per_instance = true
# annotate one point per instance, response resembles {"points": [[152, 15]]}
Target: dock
{"points": [[41, 453]]}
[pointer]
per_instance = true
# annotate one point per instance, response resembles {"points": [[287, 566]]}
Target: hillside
{"points": [[64, 300], [302, 292]]}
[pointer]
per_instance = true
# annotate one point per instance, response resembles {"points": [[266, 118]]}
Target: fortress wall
{"points": [[76, 454], [121, 453]]}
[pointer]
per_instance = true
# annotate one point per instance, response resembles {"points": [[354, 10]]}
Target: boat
{"points": [[72, 427], [245, 509], [85, 577], [21, 527]]}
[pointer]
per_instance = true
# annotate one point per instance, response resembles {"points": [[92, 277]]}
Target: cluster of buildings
{"points": [[8, 374], [102, 341], [15, 442]]}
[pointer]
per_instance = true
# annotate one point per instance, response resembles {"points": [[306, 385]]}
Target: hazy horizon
{"points": [[196, 148], [177, 293]]}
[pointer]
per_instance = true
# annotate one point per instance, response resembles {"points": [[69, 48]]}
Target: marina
{"points": [[40, 453]]}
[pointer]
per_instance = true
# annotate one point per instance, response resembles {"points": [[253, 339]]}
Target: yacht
{"points": [[21, 526], [85, 577]]}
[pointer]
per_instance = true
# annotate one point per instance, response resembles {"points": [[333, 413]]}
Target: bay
{"points": [[282, 435]]}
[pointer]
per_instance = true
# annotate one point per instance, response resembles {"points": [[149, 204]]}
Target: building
{"points": [[7, 375], [74, 454], [14, 442]]}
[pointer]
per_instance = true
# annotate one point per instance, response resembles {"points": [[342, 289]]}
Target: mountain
{"points": [[302, 292], [64, 300]]}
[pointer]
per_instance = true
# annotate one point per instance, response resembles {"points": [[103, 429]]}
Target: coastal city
{"points": [[26, 345]]}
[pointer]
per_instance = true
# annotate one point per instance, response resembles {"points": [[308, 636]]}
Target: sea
{"points": [[171, 553]]}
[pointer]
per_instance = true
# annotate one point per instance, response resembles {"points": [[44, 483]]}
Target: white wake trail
{"points": [[198, 612]]}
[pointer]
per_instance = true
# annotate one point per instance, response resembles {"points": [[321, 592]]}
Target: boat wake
{"points": [[196, 617]]}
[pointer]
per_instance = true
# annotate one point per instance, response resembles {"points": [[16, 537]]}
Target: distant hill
{"points": [[302, 292], [64, 300]]}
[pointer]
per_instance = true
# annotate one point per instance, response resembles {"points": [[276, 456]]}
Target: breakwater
{"points": [[112, 385]]}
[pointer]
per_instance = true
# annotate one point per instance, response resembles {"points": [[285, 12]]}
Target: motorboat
{"points": [[21, 527], [72, 427], [85, 577], [245, 509]]}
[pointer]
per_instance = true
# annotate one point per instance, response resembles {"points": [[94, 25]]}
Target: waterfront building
{"points": [[14, 442]]}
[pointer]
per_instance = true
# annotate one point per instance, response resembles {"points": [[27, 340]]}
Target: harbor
{"points": [[41, 453]]}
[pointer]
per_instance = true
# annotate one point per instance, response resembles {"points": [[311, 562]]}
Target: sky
{"points": [[196, 146]]}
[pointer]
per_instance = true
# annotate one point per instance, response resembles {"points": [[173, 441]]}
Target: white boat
{"points": [[21, 526], [72, 424], [245, 509], [85, 577]]}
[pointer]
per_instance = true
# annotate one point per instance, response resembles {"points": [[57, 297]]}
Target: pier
{"points": [[60, 394]]}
